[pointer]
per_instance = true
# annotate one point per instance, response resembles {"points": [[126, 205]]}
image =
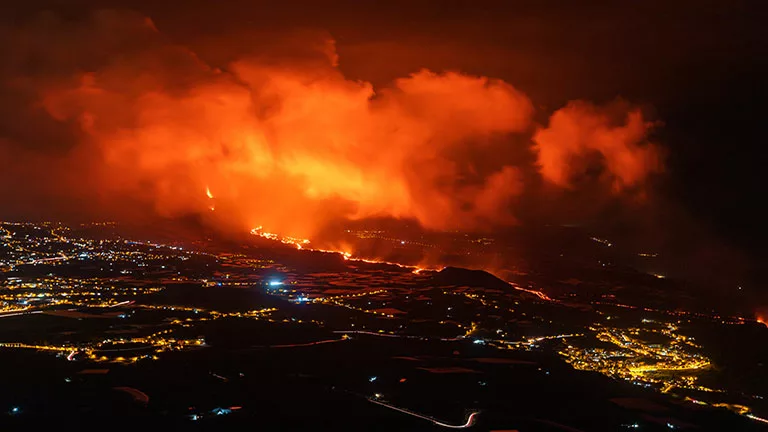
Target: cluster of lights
{"points": [[160, 341], [601, 241], [668, 365], [680, 313], [380, 235], [532, 342], [24, 296], [665, 366], [51, 245]]}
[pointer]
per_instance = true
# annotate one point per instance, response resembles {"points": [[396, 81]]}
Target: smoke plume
{"points": [[116, 112]]}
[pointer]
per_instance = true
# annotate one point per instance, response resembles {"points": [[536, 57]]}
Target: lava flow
{"points": [[302, 245], [762, 319]]}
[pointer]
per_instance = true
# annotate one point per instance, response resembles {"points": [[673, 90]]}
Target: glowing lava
{"points": [[210, 197], [762, 319], [538, 294], [300, 243]]}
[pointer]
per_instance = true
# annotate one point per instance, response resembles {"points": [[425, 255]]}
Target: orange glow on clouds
{"points": [[581, 128], [292, 145]]}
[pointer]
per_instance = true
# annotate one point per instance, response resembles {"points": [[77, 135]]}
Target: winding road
{"points": [[471, 419]]}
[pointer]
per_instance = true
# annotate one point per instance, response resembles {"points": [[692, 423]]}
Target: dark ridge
{"points": [[226, 299], [466, 277]]}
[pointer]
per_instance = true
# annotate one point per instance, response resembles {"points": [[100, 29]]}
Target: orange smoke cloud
{"points": [[292, 144], [581, 129]]}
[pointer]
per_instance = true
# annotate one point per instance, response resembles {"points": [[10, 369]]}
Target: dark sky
{"points": [[698, 66]]}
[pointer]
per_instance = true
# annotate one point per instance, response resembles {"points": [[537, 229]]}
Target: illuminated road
{"points": [[370, 333], [127, 302], [389, 335], [45, 260], [760, 419], [470, 419], [327, 341], [308, 343], [6, 315], [96, 350]]}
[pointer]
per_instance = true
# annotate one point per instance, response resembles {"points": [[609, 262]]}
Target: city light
{"points": [[654, 350], [670, 365]]}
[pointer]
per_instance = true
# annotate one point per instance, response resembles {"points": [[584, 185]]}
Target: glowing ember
{"points": [[762, 319], [210, 197]]}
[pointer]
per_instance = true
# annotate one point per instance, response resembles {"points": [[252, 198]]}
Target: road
{"points": [[307, 343], [11, 314], [363, 332], [471, 419]]}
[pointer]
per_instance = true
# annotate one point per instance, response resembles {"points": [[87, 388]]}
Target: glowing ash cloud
{"points": [[580, 129], [292, 144]]}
